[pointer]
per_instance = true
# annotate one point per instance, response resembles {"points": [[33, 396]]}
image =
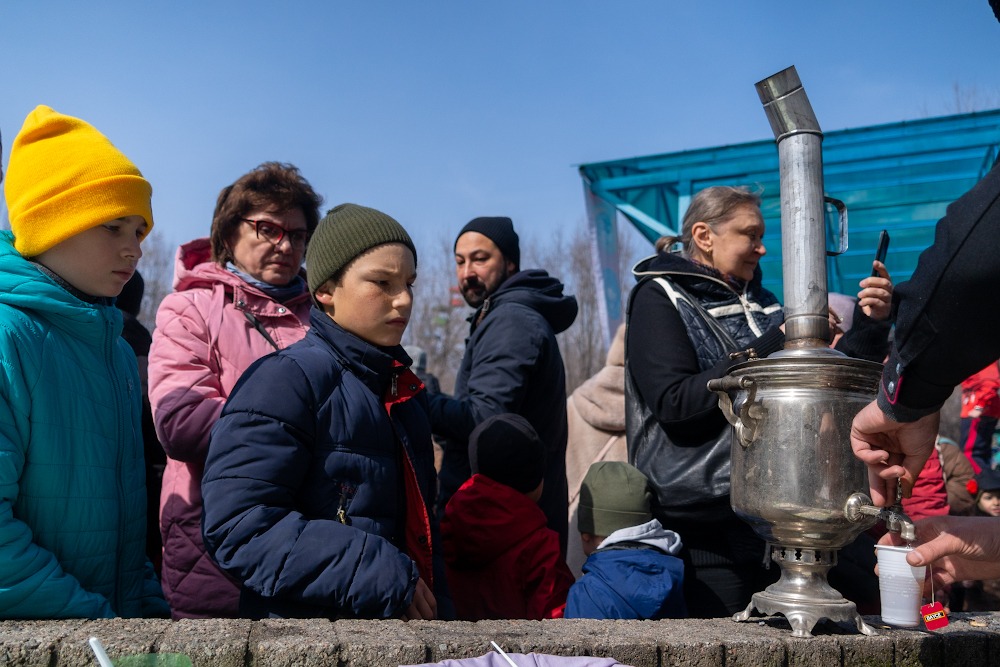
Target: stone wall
{"points": [[972, 640]]}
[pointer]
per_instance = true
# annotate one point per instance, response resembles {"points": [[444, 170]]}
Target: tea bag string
{"points": [[930, 567]]}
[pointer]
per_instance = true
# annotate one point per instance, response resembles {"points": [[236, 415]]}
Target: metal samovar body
{"points": [[794, 478]]}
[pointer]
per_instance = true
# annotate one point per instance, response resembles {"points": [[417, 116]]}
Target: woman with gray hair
{"points": [[689, 313]]}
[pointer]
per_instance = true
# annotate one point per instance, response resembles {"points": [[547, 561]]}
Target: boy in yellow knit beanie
{"points": [[72, 482]]}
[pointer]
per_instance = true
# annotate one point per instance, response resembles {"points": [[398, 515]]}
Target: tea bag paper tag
{"points": [[934, 615]]}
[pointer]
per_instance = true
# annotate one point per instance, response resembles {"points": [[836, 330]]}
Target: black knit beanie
{"points": [[507, 449], [345, 232], [987, 480], [130, 299], [500, 230]]}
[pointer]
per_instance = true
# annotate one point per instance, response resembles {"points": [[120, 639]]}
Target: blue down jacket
{"points": [[634, 574], [304, 486], [72, 482]]}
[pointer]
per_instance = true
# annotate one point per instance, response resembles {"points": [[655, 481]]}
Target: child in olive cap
{"points": [[632, 571], [320, 472], [73, 502], [502, 560]]}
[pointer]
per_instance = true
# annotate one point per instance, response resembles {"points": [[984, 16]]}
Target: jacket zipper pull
{"points": [[482, 311], [394, 394], [341, 510]]}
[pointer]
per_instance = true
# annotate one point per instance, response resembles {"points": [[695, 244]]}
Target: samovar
{"points": [[795, 479]]}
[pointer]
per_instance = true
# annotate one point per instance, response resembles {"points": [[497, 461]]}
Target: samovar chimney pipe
{"points": [[794, 478], [803, 231]]}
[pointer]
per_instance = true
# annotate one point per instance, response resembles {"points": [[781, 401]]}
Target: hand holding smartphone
{"points": [[883, 248]]}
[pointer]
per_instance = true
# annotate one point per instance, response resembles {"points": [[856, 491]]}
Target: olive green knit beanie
{"points": [[345, 232], [613, 495]]}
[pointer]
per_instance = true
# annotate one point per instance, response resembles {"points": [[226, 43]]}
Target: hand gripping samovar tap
{"points": [[794, 477]]}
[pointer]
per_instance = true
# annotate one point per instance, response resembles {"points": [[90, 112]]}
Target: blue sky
{"points": [[436, 111]]}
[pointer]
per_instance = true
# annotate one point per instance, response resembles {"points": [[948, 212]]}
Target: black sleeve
{"points": [[948, 313], [505, 354], [867, 339], [664, 364]]}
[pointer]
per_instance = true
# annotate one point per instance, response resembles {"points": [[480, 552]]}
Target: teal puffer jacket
{"points": [[72, 498]]}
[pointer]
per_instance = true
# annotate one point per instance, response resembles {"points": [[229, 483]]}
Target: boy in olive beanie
{"points": [[320, 471], [632, 570]]}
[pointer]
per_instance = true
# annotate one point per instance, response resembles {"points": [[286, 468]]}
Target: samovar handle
{"points": [[750, 413], [842, 236]]}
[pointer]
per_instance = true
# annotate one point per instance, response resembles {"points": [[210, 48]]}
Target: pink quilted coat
{"points": [[202, 343]]}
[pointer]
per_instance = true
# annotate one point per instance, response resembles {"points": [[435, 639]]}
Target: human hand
{"points": [[875, 297], [894, 452], [957, 547], [423, 606]]}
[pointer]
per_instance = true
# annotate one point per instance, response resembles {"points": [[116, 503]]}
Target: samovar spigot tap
{"points": [[860, 505]]}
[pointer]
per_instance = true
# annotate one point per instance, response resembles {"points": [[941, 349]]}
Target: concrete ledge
{"points": [[972, 640]]}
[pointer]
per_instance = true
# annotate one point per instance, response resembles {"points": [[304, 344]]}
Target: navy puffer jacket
{"points": [[512, 363], [304, 489]]}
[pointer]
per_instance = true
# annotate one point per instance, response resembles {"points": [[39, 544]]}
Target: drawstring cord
{"points": [[255, 323]]}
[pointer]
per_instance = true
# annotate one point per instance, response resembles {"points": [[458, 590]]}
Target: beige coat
{"points": [[595, 413]]}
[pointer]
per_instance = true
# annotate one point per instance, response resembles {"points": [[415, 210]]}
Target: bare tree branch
{"points": [[156, 266]]}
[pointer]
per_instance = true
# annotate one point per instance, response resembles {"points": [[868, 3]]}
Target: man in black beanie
{"points": [[512, 361]]}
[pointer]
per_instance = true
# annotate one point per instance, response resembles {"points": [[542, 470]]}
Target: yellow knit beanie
{"points": [[65, 177]]}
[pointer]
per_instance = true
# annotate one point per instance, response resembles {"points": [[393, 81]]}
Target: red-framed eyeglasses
{"points": [[274, 233]]}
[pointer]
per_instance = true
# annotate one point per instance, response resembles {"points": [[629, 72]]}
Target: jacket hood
{"points": [[675, 263], [486, 518], [24, 286], [652, 533], [194, 268], [539, 291]]}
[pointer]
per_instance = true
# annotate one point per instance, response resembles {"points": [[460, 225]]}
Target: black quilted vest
{"points": [[692, 481]]}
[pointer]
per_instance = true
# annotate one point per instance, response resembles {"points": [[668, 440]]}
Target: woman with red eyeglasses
{"points": [[238, 296]]}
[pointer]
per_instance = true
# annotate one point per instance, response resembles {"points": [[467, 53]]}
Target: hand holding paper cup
{"points": [[900, 586]]}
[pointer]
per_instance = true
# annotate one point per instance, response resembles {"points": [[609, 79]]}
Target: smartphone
{"points": [[883, 248]]}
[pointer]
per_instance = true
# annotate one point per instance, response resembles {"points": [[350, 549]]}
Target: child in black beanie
{"points": [[501, 559]]}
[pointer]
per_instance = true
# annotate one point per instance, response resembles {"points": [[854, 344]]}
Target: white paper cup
{"points": [[900, 586]]}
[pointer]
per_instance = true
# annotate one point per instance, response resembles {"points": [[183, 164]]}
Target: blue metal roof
{"points": [[898, 176]]}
